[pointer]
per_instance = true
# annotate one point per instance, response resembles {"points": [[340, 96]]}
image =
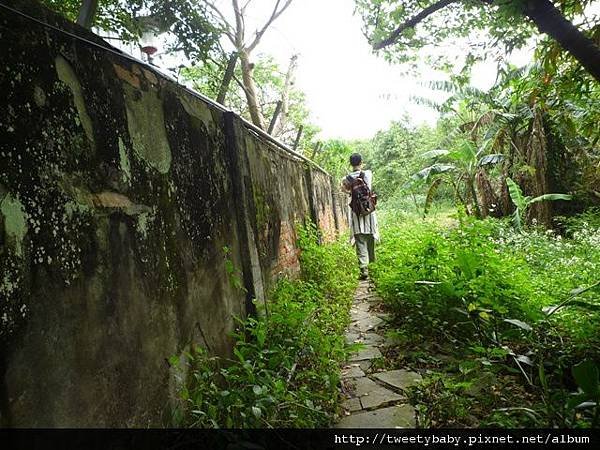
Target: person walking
{"points": [[363, 224]]}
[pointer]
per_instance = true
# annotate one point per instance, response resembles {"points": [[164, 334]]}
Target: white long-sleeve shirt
{"points": [[363, 224]]}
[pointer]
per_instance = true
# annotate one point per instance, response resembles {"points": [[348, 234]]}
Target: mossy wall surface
{"points": [[121, 197], [324, 204], [279, 199]]}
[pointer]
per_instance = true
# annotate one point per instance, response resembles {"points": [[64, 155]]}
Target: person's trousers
{"points": [[365, 249]]}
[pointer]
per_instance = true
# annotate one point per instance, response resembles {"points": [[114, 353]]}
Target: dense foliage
{"points": [[506, 322], [192, 26], [538, 125], [419, 31], [285, 371], [393, 154], [534, 125]]}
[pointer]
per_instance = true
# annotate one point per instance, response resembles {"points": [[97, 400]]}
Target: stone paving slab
{"points": [[362, 306], [366, 353], [367, 297], [360, 294], [378, 398], [400, 379], [366, 324], [372, 339], [373, 300], [370, 403], [359, 315], [365, 365], [371, 394], [353, 371], [402, 416], [363, 289], [352, 404], [351, 337], [362, 386], [365, 338]]}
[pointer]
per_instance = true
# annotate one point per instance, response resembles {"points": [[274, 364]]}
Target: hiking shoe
{"points": [[364, 273]]}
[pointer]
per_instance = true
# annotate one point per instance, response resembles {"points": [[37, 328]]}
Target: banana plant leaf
{"points": [[545, 197], [434, 169], [434, 153], [493, 158]]}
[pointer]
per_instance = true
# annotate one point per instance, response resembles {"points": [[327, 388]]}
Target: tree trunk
{"points": [[316, 150], [487, 197], [285, 96], [538, 183], [550, 20], [298, 136], [275, 116], [250, 90], [473, 193], [227, 79], [87, 12]]}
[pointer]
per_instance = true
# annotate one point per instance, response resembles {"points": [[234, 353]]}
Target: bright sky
{"points": [[351, 92]]}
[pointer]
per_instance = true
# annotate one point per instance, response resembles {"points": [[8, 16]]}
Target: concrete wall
{"points": [[124, 202]]}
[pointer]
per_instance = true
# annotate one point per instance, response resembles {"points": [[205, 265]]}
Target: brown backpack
{"points": [[364, 200]]}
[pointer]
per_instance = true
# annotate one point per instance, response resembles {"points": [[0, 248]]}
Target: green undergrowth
{"points": [[475, 307], [286, 366]]}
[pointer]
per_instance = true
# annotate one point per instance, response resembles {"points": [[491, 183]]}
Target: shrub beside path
{"points": [[372, 399]]}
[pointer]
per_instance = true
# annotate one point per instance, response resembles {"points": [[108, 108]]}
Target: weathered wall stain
{"points": [[122, 198], [15, 224], [67, 75], [145, 122]]}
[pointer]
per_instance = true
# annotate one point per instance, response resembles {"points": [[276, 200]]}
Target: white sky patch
{"points": [[351, 92]]}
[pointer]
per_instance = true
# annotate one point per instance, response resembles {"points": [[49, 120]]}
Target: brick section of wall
{"points": [[288, 254]]}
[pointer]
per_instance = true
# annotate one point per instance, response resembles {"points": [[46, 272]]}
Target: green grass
{"points": [[287, 363], [472, 292]]}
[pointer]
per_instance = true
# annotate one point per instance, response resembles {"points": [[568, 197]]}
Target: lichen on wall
{"points": [[144, 221], [67, 75], [13, 229], [146, 124], [13, 308], [124, 163], [15, 222]]}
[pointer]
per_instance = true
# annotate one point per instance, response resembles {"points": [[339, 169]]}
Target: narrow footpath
{"points": [[373, 399]]}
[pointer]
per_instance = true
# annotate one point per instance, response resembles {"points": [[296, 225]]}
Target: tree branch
{"points": [[245, 6], [228, 28], [274, 15], [240, 84], [87, 12], [239, 25], [551, 21], [411, 23]]}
